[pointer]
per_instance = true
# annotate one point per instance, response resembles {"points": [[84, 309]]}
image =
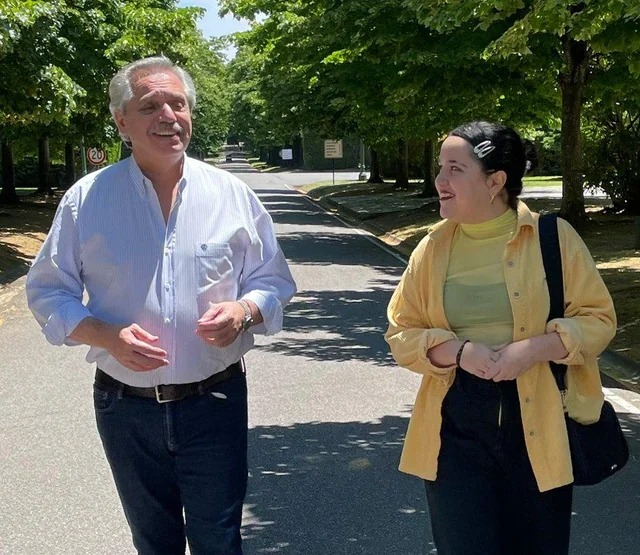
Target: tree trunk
{"points": [[298, 151], [636, 236], [402, 166], [429, 187], [44, 165], [69, 165], [572, 83], [375, 176], [8, 193]]}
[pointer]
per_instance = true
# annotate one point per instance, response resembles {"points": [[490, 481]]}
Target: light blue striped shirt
{"points": [[109, 238]]}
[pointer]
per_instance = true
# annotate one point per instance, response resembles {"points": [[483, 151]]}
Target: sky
{"points": [[212, 25]]}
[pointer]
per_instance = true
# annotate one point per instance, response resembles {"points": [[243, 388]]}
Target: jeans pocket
{"points": [[104, 400]]}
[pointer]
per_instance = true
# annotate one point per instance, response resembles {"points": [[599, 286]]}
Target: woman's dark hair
{"points": [[509, 152]]}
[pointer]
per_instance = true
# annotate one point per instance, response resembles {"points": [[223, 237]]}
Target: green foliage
{"points": [[375, 71], [612, 157], [57, 58]]}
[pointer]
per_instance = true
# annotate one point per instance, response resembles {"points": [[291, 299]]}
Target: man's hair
{"points": [[121, 88]]}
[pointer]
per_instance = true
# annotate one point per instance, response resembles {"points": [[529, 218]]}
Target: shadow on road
{"points": [[336, 326], [605, 520], [328, 488]]}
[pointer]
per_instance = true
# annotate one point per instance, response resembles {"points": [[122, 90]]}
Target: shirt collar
{"points": [[141, 183]]}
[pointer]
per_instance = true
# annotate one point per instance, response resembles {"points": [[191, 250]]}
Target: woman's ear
{"points": [[497, 181]]}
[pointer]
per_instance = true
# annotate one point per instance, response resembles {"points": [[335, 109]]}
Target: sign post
{"points": [[333, 150]]}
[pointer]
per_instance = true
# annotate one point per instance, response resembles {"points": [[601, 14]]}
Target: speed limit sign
{"points": [[96, 156]]}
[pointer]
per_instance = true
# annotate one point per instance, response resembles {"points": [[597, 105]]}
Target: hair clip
{"points": [[483, 148]]}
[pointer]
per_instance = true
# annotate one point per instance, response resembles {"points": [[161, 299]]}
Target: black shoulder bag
{"points": [[597, 450]]}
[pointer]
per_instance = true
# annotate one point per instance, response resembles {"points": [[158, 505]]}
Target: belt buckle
{"points": [[159, 395]]}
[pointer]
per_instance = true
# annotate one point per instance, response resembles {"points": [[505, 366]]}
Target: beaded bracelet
{"points": [[459, 353]]}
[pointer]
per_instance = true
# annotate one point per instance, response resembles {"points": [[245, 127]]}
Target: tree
{"points": [[35, 91], [565, 38], [375, 71]]}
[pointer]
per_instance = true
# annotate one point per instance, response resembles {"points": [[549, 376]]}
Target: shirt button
{"points": [[526, 400], [167, 320], [166, 252], [511, 263], [517, 294], [532, 433], [203, 247], [522, 328], [167, 285]]}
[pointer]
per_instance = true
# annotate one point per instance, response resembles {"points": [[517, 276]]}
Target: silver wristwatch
{"points": [[247, 321]]}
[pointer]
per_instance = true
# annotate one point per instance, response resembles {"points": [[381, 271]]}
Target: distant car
{"points": [[229, 158]]}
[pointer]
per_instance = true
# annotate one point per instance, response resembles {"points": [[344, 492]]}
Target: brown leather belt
{"points": [[169, 392]]}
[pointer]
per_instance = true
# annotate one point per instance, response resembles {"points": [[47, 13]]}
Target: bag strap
{"points": [[552, 260]]}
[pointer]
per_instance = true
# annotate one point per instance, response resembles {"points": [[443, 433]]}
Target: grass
{"points": [[543, 181]]}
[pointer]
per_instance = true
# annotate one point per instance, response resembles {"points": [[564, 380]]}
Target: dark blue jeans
{"points": [[485, 500], [180, 467]]}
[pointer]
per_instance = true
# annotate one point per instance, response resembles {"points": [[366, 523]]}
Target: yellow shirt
{"points": [[417, 322], [476, 300]]}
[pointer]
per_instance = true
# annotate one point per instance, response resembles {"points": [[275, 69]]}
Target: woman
{"points": [[487, 433]]}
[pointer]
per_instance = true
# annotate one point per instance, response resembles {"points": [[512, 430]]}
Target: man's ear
{"points": [[118, 117]]}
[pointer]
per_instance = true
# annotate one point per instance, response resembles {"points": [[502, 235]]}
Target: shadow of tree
{"points": [[333, 488], [329, 488], [605, 517], [343, 247], [292, 208], [336, 326], [23, 227]]}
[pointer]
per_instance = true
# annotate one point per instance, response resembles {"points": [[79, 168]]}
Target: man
{"points": [[181, 267]]}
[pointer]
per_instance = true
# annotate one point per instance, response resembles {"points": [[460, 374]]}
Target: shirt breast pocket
{"points": [[214, 274], [214, 263]]}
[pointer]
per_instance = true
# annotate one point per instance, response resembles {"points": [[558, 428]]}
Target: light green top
{"points": [[476, 299]]}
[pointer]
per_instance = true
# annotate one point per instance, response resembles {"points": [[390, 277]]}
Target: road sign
{"points": [[286, 154], [96, 156], [333, 149]]}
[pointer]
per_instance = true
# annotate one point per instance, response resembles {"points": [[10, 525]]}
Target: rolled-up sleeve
{"points": [[267, 280], [589, 322], [54, 286], [411, 332]]}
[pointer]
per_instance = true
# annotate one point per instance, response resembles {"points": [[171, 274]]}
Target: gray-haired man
{"points": [[181, 267]]}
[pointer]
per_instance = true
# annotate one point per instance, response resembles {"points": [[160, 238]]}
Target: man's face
{"points": [[157, 119]]}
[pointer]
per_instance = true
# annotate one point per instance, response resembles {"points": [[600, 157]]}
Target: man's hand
{"points": [[130, 345], [133, 347], [221, 324]]}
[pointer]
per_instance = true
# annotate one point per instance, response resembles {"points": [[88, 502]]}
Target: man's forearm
{"points": [[92, 332]]}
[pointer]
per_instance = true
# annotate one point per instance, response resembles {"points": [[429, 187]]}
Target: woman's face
{"points": [[464, 188]]}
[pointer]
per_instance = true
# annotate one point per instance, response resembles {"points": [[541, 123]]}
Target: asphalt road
{"points": [[328, 410]]}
